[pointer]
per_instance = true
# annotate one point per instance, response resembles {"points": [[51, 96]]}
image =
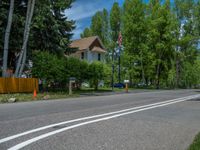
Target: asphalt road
{"points": [[166, 120]]}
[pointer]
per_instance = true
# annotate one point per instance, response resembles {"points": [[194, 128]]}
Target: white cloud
{"points": [[80, 11]]}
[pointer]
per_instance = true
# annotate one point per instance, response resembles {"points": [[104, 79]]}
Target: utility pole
{"points": [[119, 60], [119, 65], [113, 70]]}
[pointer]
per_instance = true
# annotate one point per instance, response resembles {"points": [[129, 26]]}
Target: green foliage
{"points": [[171, 80], [97, 23], [52, 68], [107, 75], [48, 66], [197, 18], [135, 35], [50, 28], [196, 143], [115, 21], [99, 27], [190, 74], [55, 69], [97, 72], [17, 28], [76, 68], [86, 33], [160, 41]]}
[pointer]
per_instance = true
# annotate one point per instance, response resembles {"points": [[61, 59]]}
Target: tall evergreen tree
{"points": [[51, 29]]}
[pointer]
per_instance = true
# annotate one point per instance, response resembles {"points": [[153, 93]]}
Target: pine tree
{"points": [[52, 30]]}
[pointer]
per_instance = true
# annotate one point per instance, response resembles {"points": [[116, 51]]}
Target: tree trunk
{"points": [[96, 85], [142, 67], [22, 57], [25, 32], [23, 62], [158, 76], [6, 39], [177, 72]]}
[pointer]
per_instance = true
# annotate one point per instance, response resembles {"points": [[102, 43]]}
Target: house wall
{"points": [[88, 54], [93, 56]]}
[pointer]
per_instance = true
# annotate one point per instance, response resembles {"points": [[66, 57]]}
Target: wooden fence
{"points": [[18, 85]]}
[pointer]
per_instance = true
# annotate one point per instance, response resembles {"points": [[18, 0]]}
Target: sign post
{"points": [[126, 82], [71, 81]]}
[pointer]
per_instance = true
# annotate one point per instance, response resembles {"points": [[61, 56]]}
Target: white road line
{"points": [[25, 143], [80, 119]]}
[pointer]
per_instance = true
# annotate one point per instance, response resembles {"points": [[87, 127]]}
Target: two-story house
{"points": [[90, 49]]}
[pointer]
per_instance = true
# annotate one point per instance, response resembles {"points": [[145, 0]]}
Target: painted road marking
{"points": [[25, 143], [81, 119]]}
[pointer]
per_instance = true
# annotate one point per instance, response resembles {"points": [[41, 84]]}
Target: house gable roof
{"points": [[86, 43]]}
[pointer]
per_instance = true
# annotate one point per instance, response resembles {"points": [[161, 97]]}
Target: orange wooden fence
{"points": [[18, 85]]}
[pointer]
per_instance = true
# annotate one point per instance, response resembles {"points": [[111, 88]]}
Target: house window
{"points": [[82, 55], [99, 57]]}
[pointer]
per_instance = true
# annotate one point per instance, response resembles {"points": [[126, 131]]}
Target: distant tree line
{"points": [[161, 41]]}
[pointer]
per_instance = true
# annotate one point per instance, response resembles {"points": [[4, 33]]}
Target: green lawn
{"points": [[196, 143]]}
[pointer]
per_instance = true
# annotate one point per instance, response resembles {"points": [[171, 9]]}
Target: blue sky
{"points": [[82, 11]]}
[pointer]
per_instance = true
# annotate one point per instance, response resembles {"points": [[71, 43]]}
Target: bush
{"points": [[48, 66], [54, 69], [76, 68], [97, 72]]}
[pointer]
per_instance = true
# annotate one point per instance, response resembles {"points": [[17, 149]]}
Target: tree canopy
{"points": [[50, 29], [160, 40]]}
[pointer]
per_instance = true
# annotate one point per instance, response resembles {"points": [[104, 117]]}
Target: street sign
{"points": [[126, 81]]}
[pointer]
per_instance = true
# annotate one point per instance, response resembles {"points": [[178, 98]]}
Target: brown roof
{"points": [[85, 43], [98, 49]]}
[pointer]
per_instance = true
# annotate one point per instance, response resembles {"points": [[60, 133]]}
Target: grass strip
{"points": [[22, 97], [196, 143]]}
